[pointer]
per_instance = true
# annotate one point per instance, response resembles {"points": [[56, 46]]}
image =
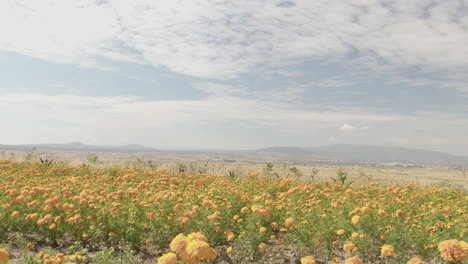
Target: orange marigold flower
{"points": [[289, 222], [349, 246], [41, 222], [197, 236], [381, 212], [415, 260], [353, 260], [453, 250], [31, 245], [201, 250], [4, 255], [179, 243], [185, 221]]}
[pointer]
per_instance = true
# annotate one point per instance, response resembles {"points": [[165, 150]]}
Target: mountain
{"points": [[340, 152], [78, 146], [362, 153]]}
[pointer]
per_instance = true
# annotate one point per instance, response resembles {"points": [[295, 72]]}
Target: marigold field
{"points": [[63, 214]]}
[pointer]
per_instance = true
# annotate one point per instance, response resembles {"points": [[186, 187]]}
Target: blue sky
{"points": [[235, 74]]}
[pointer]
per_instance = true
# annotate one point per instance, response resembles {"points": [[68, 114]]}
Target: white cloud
{"points": [[347, 128], [73, 117], [215, 122], [221, 39]]}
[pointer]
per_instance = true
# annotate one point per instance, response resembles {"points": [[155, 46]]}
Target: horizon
{"points": [[235, 75]]}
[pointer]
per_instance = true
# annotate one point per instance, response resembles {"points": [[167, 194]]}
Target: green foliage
{"points": [[92, 158], [342, 177], [180, 167], [313, 174], [233, 174], [296, 172], [30, 155], [141, 163], [268, 168], [463, 170], [367, 177]]}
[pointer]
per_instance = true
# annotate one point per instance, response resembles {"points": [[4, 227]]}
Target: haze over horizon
{"points": [[235, 75]]}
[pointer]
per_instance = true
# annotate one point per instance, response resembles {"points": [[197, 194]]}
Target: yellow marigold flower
{"points": [[169, 258], [453, 250], [289, 222], [355, 235], [353, 260], [274, 225], [4, 255], [340, 232], [229, 250], [15, 214], [231, 237], [415, 260], [387, 250], [356, 219], [263, 230], [262, 245], [52, 226], [179, 243], [308, 260]]}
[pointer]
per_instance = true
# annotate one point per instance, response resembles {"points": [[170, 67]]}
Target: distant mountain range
{"points": [[78, 146], [341, 152], [362, 153]]}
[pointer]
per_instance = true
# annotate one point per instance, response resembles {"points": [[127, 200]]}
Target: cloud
{"points": [[222, 39], [73, 117], [347, 128], [121, 111], [208, 122]]}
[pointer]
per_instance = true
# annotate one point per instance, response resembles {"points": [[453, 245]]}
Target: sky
{"points": [[244, 74]]}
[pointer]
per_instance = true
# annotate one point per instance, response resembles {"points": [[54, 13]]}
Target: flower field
{"points": [[66, 214]]}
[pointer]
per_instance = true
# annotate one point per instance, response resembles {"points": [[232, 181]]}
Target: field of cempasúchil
{"points": [[63, 214]]}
